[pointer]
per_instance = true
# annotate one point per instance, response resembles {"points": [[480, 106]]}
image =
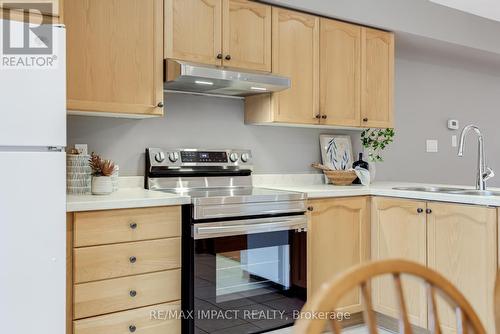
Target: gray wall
{"points": [[433, 86], [196, 121]]}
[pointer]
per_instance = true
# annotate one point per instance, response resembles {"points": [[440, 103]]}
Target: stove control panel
{"points": [[198, 157]]}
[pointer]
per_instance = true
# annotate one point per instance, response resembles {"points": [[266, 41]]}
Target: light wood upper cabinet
{"points": [[340, 59], [115, 56], [462, 247], [232, 33], [246, 35], [193, 31], [296, 55], [377, 78], [399, 231], [338, 239]]}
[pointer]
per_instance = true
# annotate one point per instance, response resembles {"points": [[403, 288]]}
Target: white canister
{"points": [[102, 185], [114, 178]]}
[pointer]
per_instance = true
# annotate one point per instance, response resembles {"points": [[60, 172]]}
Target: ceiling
{"points": [[486, 8]]}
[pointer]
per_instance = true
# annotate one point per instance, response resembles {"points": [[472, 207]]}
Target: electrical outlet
{"points": [[431, 145]]}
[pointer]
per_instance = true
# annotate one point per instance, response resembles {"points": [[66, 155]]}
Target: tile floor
{"points": [[353, 330]]}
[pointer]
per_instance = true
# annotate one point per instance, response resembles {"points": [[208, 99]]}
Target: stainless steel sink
{"points": [[431, 189], [451, 190], [477, 192]]}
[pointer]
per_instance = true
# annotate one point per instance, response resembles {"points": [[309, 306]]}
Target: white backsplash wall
{"points": [[204, 122]]}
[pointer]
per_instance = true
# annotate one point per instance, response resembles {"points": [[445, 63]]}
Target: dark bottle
{"points": [[361, 163]]}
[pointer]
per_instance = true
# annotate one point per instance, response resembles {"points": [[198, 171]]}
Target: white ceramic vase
{"points": [[102, 185], [372, 165]]}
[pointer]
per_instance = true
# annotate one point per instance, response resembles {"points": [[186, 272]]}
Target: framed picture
{"points": [[336, 151]]}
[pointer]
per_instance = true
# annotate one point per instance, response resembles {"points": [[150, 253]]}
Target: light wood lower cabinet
{"points": [[110, 261], [139, 321], [399, 231], [462, 245], [120, 262], [115, 56], [101, 297], [459, 241], [338, 239], [126, 225]]}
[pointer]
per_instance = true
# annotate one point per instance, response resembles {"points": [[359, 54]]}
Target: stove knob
{"points": [[245, 157], [160, 157], [173, 156], [234, 157]]}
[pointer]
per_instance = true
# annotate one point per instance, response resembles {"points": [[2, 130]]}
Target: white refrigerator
{"points": [[33, 195]]}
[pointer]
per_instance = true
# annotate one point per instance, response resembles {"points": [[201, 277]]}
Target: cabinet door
{"points": [[114, 56], [247, 35], [462, 247], [399, 232], [377, 78], [296, 55], [338, 240], [193, 30], [45, 7], [340, 64]]}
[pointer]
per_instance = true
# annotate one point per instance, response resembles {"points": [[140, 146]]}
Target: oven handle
{"points": [[249, 226]]}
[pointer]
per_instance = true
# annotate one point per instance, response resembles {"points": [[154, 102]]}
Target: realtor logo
{"points": [[29, 44]]}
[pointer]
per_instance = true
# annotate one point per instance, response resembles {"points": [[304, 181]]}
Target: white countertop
{"points": [[386, 189], [132, 195], [123, 198]]}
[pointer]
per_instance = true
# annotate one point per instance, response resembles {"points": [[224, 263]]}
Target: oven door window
{"points": [[259, 278]]}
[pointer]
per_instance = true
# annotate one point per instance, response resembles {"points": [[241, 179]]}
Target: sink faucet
{"points": [[483, 173]]}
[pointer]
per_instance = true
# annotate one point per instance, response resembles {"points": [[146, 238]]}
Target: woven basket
{"points": [[340, 177]]}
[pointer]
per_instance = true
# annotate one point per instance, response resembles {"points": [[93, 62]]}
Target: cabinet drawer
{"points": [[119, 294], [111, 261], [113, 226], [140, 319]]}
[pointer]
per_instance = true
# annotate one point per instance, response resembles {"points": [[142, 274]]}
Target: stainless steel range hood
{"points": [[202, 79]]}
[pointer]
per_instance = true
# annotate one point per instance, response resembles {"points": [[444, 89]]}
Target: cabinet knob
{"points": [[324, 116], [133, 293], [160, 104], [219, 56], [228, 57], [310, 208], [365, 119], [132, 328], [133, 259], [133, 226], [428, 211], [318, 116], [420, 210]]}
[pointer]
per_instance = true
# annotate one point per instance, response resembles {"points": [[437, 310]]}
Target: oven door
{"points": [[249, 275]]}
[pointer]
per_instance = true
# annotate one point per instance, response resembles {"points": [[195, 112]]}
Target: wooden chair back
{"points": [[497, 303], [327, 299]]}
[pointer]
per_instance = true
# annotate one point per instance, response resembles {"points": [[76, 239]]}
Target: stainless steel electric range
{"points": [[243, 248]]}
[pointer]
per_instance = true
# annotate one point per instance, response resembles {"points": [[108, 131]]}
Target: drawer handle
{"points": [[133, 226], [132, 328], [133, 293], [420, 210], [132, 259]]}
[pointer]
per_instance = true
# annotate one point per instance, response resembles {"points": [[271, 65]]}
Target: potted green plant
{"points": [[102, 170], [374, 142]]}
